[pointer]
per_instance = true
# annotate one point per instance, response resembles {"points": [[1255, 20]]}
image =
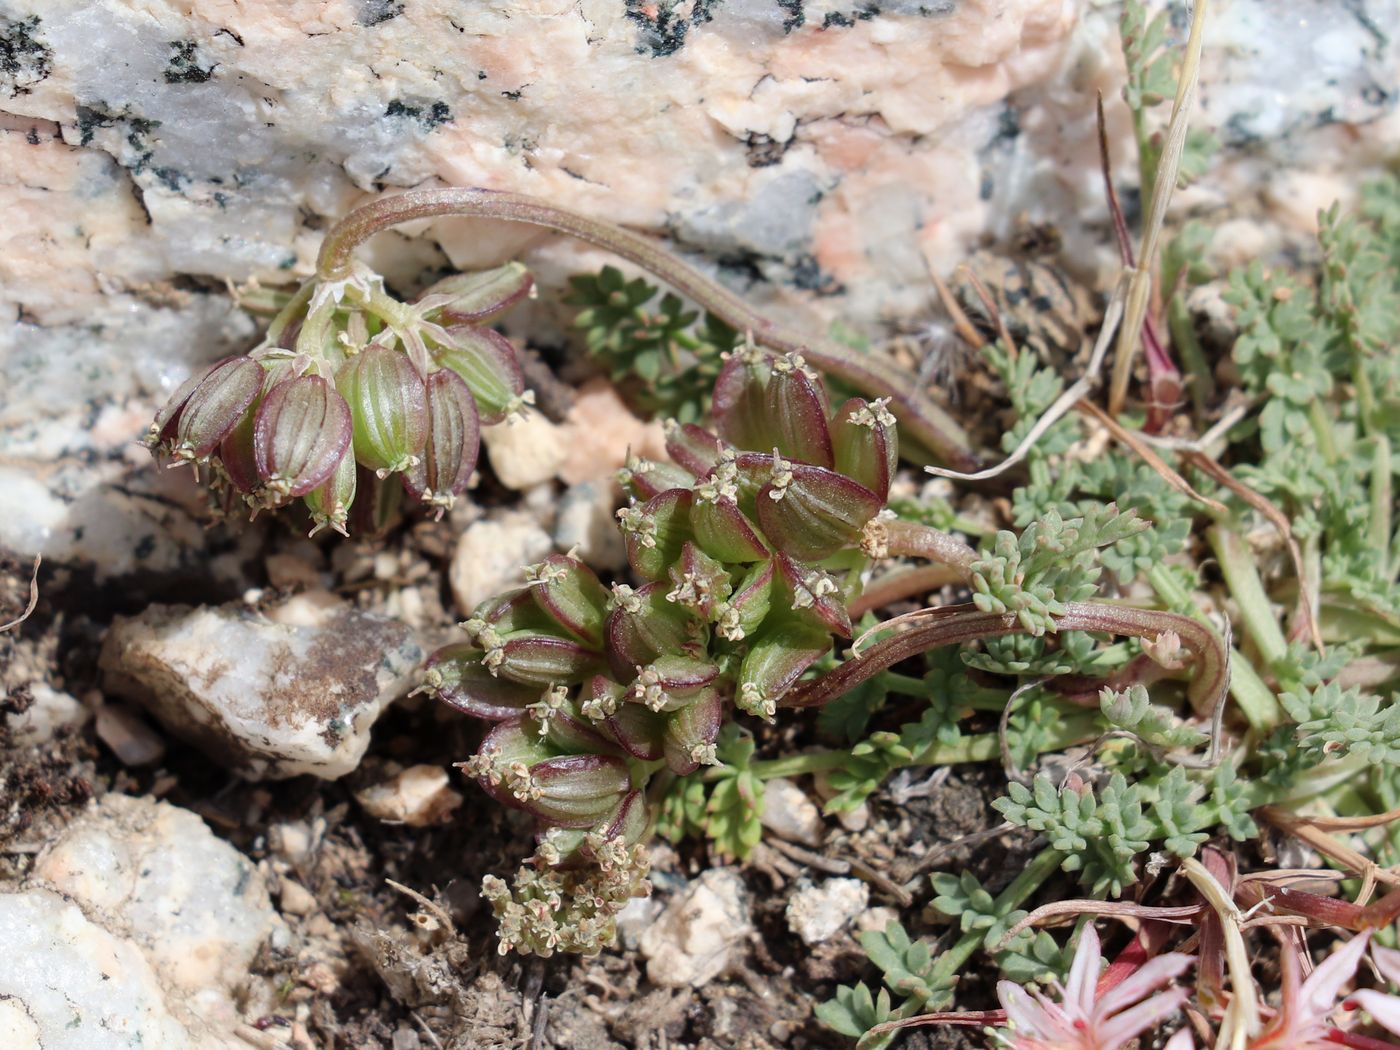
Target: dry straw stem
{"points": [[1077, 391], [1140, 278], [1242, 1015], [1112, 909], [33, 597]]}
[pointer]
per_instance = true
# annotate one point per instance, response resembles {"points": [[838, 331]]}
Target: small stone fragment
{"points": [[131, 739], [586, 522], [269, 700], [50, 711], [189, 905], [599, 433], [418, 796], [293, 898], [818, 913], [69, 960], [491, 556], [694, 940], [525, 452], [877, 918], [790, 814]]}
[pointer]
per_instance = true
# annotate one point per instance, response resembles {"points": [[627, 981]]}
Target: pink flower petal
{"points": [[1387, 961], [1318, 996], [1026, 1015], [1150, 976], [1181, 1040], [1132, 1023], [1385, 1009], [1083, 974]]}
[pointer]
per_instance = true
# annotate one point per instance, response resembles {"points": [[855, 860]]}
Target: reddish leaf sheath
{"points": [[215, 407], [301, 434], [455, 676], [796, 410], [388, 407], [816, 513], [487, 364], [454, 440]]}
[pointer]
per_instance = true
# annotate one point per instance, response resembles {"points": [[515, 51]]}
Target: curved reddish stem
{"points": [[919, 417]]}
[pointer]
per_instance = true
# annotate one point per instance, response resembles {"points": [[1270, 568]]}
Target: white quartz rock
{"points": [[51, 711], [818, 913], [491, 556], [524, 451], [790, 814], [586, 523], [694, 940], [69, 984], [155, 874], [270, 700], [418, 796]]}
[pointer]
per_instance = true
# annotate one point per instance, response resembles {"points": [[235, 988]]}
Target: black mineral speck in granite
{"points": [[184, 66], [376, 12], [25, 60], [429, 117], [661, 31]]}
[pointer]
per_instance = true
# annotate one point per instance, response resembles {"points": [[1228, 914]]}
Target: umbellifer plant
{"points": [[748, 549]]}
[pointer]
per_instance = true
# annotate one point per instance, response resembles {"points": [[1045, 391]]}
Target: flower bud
{"points": [[693, 448], [671, 681], [301, 434], [544, 660], [216, 405], [748, 607], [777, 656], [722, 531], [740, 405], [454, 439], [487, 364], [476, 298], [796, 409], [866, 445], [699, 582], [813, 597], [637, 731], [570, 592], [556, 719], [642, 479], [691, 732], [454, 674], [810, 513], [378, 504], [162, 429], [238, 453], [628, 822], [389, 407], [330, 504], [643, 625], [602, 697], [502, 763], [655, 532], [578, 791]]}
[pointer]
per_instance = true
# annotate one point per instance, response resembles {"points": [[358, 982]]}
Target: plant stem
{"points": [[910, 539], [1045, 864], [965, 623], [1382, 502], [1242, 577], [919, 417], [1255, 699], [1183, 333]]}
